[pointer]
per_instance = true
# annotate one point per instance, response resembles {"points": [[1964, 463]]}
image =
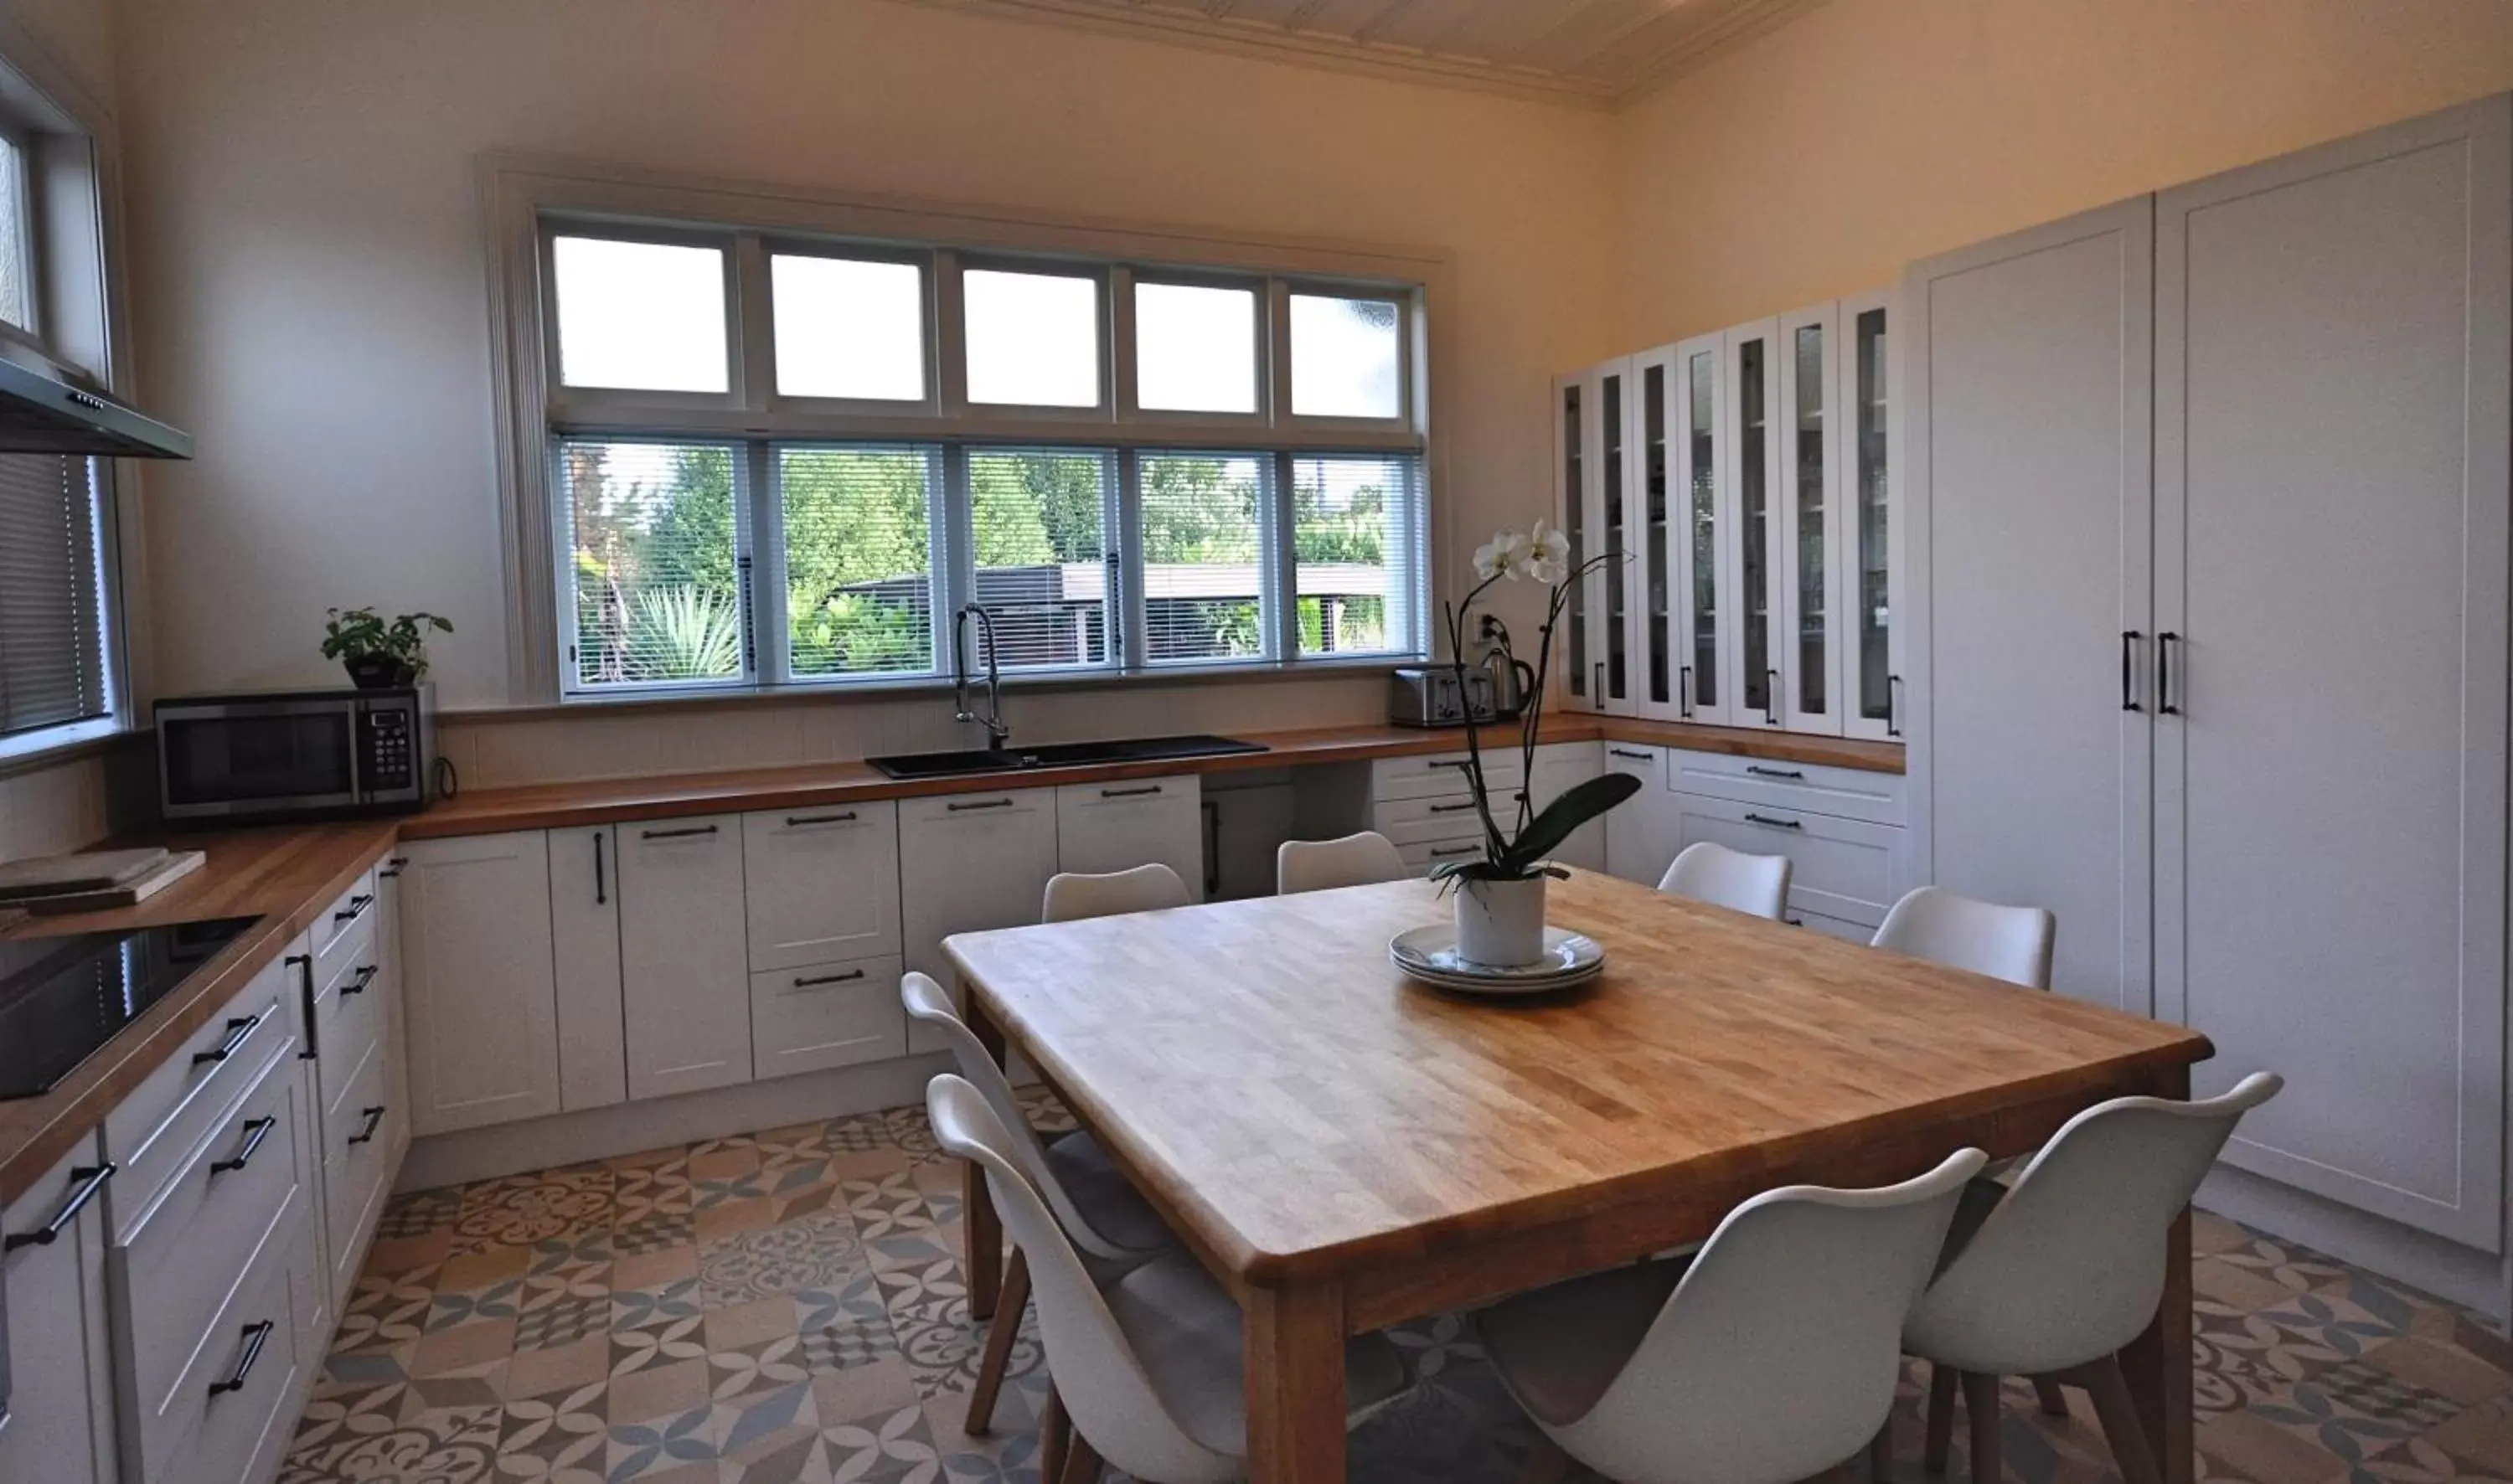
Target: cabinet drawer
{"points": [[359, 1138], [1430, 853], [821, 884], [1120, 825], [1846, 793], [232, 1436], [1860, 933], [1845, 869], [1442, 773], [350, 916], [217, 1234], [828, 1015], [349, 1024], [148, 1133]]}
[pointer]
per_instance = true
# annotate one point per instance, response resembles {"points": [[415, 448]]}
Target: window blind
{"points": [[1038, 524], [858, 557], [51, 626], [1204, 555], [654, 550], [1357, 537]]}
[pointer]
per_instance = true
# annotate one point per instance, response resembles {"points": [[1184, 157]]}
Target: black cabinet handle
{"points": [[806, 982], [682, 833], [1776, 824], [391, 867], [238, 1032], [1771, 698], [1130, 792], [797, 821], [357, 905], [2129, 670], [374, 1117], [254, 1337], [365, 976], [254, 1132], [1454, 850], [1450, 808], [601, 887], [1684, 690], [2163, 706], [984, 803], [1597, 690], [306, 998], [1625, 752], [90, 1180], [1760, 771]]}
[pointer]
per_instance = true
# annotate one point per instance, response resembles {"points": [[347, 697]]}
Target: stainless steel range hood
{"points": [[43, 410]]}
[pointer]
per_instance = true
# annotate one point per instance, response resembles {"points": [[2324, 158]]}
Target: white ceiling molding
{"points": [[1597, 54]]}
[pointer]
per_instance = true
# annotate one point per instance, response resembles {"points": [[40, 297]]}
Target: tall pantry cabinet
{"points": [[2207, 624]]}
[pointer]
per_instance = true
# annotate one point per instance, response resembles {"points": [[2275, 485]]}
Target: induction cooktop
{"points": [[62, 998]]}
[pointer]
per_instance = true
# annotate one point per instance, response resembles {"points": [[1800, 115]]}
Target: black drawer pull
{"points": [[682, 833], [365, 976], [238, 1032], [1625, 752], [1893, 722], [391, 867], [254, 1132], [982, 803], [1684, 689], [1760, 771], [357, 905], [798, 821], [375, 1118], [1130, 792], [254, 1337], [1450, 809], [806, 983], [1454, 850], [1776, 824], [91, 1179]]}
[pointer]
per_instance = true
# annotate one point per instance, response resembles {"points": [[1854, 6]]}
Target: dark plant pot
{"points": [[377, 672]]}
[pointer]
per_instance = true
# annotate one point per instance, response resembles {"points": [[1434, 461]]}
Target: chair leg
{"points": [[1053, 1434], [1003, 1329], [1980, 1402], [1941, 1418], [2109, 1387], [1082, 1464], [1880, 1452], [2054, 1402]]}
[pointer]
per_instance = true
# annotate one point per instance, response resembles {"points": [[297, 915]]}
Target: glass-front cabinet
{"points": [[1600, 510], [1808, 573], [1871, 683], [1757, 655]]}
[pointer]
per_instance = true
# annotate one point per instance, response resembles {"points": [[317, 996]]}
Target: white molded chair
{"points": [[1363, 859], [1092, 1199], [1148, 1367], [1769, 1357], [1707, 871], [2010, 942], [2052, 1277], [1072, 895]]}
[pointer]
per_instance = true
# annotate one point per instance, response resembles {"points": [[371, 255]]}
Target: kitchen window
{"points": [[772, 458]]}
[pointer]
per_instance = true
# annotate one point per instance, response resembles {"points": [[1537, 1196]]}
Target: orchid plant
{"points": [[1519, 851]]}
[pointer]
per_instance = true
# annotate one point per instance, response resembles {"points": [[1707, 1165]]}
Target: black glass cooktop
{"points": [[60, 998]]}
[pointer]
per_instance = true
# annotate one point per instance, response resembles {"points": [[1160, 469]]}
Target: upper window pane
{"points": [[1204, 565], [859, 557], [1344, 356], [1195, 348], [849, 328], [1354, 524], [653, 546], [1033, 338], [1038, 522], [16, 292], [641, 316]]}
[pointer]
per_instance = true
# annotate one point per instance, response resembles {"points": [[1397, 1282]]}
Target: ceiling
{"points": [[1599, 53]]}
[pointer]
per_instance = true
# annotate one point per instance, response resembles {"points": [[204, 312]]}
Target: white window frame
{"points": [[929, 276], [1260, 326]]}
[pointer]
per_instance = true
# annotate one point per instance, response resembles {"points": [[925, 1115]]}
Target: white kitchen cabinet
{"points": [[1865, 636], [684, 955], [1117, 826], [1704, 564], [1806, 572], [966, 863], [1846, 871], [821, 884], [1641, 832], [1749, 422], [481, 1004], [818, 1016], [57, 1372], [1594, 422], [584, 942], [1560, 767]]}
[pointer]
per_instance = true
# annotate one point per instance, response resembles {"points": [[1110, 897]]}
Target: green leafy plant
{"points": [[683, 632], [352, 635]]}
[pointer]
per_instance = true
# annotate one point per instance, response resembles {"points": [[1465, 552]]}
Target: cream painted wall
{"points": [[1817, 160], [307, 264]]}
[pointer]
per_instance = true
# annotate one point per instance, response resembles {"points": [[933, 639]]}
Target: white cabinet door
{"points": [[1757, 661], [684, 956], [1805, 564], [822, 883], [584, 935], [1103, 826], [1842, 870], [2332, 346], [966, 863], [1703, 512], [1656, 522], [1864, 595], [482, 1006], [1560, 767], [1610, 590], [1641, 832], [2029, 783], [60, 1356], [1573, 418], [396, 1042]]}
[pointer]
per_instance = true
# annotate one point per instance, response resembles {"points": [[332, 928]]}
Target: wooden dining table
{"points": [[1346, 1149]]}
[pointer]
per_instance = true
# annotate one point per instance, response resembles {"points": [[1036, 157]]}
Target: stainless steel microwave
{"points": [[296, 753]]}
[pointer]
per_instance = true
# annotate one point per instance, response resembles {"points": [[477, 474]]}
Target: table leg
{"points": [[982, 1231], [1294, 1349]]}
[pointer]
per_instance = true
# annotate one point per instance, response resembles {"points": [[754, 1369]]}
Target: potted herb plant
{"points": [[377, 653], [1500, 895]]}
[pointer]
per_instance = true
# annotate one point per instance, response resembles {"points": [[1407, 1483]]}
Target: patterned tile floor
{"points": [[787, 1307]]}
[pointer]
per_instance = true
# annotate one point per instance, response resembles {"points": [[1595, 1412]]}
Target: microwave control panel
{"points": [[389, 750]]}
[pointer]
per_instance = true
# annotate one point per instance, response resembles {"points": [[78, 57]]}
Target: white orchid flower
{"points": [[1507, 551], [1548, 558]]}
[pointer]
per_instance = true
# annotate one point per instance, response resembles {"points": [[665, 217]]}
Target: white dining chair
{"points": [[2010, 942], [1362, 859], [1707, 871], [1092, 1199], [1769, 1357], [1148, 1368], [2052, 1277], [1073, 895]]}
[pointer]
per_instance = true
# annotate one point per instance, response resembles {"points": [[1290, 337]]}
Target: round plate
{"points": [[1430, 953]]}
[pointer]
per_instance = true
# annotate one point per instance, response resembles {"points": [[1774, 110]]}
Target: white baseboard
{"points": [[2421, 1260], [626, 1128]]}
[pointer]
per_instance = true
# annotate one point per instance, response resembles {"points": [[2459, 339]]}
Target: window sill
{"points": [[53, 746]]}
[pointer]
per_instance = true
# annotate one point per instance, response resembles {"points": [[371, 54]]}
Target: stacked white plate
{"points": [[1430, 955]]}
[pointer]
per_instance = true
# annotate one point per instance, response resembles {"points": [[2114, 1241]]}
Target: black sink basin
{"points": [[1020, 760]]}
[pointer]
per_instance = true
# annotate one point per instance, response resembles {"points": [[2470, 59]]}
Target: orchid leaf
{"points": [[1576, 807]]}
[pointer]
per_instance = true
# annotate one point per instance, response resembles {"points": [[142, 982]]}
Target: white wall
{"points": [[312, 291]]}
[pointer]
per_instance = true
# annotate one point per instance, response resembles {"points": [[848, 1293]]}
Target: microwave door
{"points": [[257, 758]]}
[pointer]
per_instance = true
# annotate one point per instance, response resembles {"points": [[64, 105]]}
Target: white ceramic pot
{"points": [[1502, 923]]}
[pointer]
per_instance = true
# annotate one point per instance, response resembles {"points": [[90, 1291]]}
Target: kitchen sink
{"points": [[1020, 760]]}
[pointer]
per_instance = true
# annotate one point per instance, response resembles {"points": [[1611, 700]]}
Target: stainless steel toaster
{"points": [[1429, 696]]}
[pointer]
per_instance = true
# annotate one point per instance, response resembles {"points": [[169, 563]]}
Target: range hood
{"points": [[43, 410]]}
